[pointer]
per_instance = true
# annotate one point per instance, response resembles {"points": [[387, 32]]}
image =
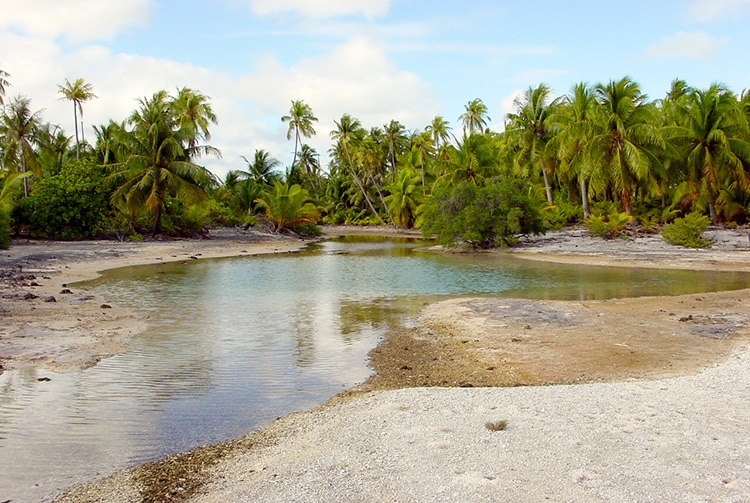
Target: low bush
{"points": [[687, 231]]}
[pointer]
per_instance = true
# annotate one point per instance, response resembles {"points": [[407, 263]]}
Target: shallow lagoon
{"points": [[232, 344]]}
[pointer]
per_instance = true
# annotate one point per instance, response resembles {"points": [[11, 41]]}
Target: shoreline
{"points": [[219, 466]]}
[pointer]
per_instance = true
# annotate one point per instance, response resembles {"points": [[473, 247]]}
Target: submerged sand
{"points": [[661, 415]]}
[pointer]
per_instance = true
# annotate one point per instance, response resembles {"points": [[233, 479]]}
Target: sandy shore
{"points": [[45, 320], [642, 437]]}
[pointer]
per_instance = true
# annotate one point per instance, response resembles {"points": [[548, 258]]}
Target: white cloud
{"points": [[322, 8], [77, 20], [693, 45], [710, 10]]}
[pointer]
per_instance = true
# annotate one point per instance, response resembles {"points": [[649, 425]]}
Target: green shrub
{"points": [[482, 217], [72, 204], [687, 231], [607, 221], [4, 230]]}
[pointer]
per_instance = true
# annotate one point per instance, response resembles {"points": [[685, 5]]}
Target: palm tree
{"points": [[403, 199], [574, 119], [474, 118], [288, 206], [714, 139], [19, 128], [77, 92], [3, 84], [261, 169], [157, 161], [627, 131], [395, 135], [347, 135], [300, 121], [194, 115], [529, 130], [439, 129]]}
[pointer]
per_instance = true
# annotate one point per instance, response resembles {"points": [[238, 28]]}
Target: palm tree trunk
{"points": [[547, 185], [711, 204], [75, 123], [585, 197]]}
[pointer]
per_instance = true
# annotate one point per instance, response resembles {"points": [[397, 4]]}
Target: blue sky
{"points": [[377, 60]]}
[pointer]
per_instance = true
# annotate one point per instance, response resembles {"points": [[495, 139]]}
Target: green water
{"points": [[232, 344]]}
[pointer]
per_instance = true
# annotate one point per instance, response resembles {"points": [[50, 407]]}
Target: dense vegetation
{"points": [[603, 154]]}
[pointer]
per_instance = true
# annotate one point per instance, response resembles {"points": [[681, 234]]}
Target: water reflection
{"points": [[232, 344]]}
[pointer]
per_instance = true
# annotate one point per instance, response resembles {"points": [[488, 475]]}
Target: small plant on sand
{"points": [[687, 231], [496, 425]]}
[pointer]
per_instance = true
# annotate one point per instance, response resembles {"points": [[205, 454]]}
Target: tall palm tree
{"points": [[19, 128], [300, 121], [714, 137], [440, 131], [475, 117], [628, 131], [77, 92], [157, 161], [574, 119], [395, 135], [529, 130], [3, 84]]}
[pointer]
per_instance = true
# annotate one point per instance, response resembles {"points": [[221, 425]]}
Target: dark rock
{"points": [[106, 306], [50, 299], [65, 290], [44, 379], [30, 296]]}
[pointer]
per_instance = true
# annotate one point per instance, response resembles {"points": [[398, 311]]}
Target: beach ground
{"points": [[434, 383]]}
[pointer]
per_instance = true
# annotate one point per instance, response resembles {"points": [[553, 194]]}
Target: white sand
{"points": [[678, 440]]}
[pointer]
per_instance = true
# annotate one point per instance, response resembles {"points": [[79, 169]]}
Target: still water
{"points": [[233, 344]]}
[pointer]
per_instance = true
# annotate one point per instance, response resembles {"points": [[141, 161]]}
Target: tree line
{"points": [[603, 154]]}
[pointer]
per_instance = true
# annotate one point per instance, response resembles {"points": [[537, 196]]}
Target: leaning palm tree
{"points": [[714, 140], [157, 162], [474, 118], [347, 135], [77, 92], [19, 133], [300, 121]]}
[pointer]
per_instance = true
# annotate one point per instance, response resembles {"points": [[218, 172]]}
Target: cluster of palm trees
{"points": [[598, 146]]}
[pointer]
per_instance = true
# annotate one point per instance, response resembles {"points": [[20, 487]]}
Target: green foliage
{"points": [[4, 229], [289, 207], [561, 214], [70, 205], [10, 190], [482, 217], [607, 222], [687, 231]]}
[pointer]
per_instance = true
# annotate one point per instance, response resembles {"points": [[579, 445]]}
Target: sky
{"points": [[377, 60]]}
